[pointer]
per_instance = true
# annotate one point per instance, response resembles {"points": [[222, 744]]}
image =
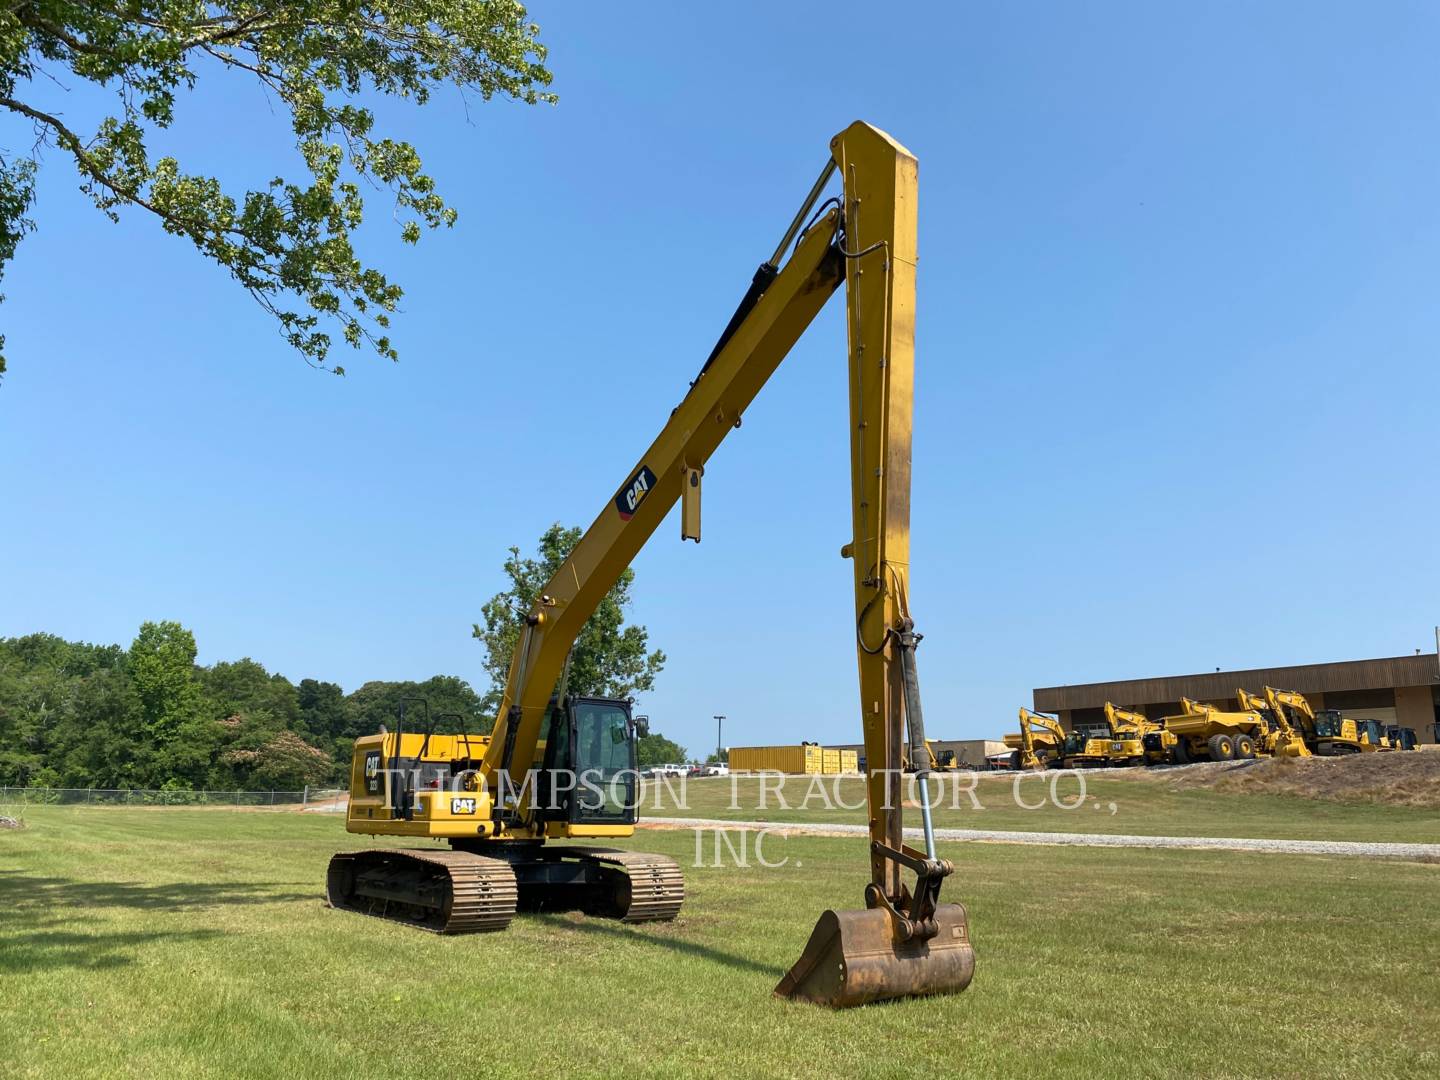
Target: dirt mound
{"points": [[1396, 779]]}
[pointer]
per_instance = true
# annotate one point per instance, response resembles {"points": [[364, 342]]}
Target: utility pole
{"points": [[720, 725]]}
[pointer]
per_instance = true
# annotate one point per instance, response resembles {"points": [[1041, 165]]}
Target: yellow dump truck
{"points": [[1205, 733]]}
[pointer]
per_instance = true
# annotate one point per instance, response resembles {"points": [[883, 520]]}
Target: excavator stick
{"points": [[903, 944]]}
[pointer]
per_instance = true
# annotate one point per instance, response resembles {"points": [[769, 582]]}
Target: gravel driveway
{"points": [[1001, 836]]}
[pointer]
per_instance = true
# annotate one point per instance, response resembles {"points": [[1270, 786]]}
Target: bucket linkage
{"points": [[902, 945]]}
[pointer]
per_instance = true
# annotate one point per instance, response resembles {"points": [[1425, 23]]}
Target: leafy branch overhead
{"points": [[289, 244]]}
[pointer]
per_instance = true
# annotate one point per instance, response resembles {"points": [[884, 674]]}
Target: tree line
{"points": [[74, 714]]}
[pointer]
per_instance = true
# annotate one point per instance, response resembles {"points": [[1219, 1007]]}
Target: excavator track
{"points": [[447, 892], [640, 887]]}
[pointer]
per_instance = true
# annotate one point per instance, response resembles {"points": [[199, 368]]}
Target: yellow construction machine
{"points": [[1278, 739], [1325, 733], [1374, 736], [561, 768], [942, 760], [1040, 744], [1203, 732], [1126, 744], [1402, 738], [1043, 743]]}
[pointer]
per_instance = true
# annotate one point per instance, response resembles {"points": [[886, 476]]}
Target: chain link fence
{"points": [[321, 799]]}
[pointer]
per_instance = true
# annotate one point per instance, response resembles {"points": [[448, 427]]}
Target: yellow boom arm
{"points": [[1125, 720], [868, 241]]}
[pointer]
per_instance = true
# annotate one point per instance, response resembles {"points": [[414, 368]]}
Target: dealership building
{"points": [[1403, 690]]}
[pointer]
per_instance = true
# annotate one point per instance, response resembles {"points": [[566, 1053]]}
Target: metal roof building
{"points": [[1402, 690]]}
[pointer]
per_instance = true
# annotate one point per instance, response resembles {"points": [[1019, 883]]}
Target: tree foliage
{"points": [[100, 716], [288, 243], [610, 659], [656, 749]]}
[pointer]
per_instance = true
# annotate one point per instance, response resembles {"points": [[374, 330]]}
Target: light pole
{"points": [[719, 736]]}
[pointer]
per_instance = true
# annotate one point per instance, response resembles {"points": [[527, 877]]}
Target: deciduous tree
{"points": [[288, 243], [610, 659]]}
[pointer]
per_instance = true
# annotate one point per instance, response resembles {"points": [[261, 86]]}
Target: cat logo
{"points": [[462, 806], [1117, 747], [372, 773], [634, 492]]}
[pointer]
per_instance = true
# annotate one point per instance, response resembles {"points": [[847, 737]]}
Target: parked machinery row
{"points": [[1279, 723]]}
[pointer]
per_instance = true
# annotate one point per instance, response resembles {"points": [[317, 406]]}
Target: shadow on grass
{"points": [[31, 904], [51, 949], [23, 893], [599, 928]]}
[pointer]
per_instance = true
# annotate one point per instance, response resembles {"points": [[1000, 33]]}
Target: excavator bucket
{"points": [[854, 958]]}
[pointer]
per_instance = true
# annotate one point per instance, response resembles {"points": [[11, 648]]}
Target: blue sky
{"points": [[1176, 361]]}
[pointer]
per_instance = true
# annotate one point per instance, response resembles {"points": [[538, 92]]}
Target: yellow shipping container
{"points": [[805, 758], [849, 761], [832, 761]]}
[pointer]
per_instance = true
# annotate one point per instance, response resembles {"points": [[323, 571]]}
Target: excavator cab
{"points": [[589, 771]]}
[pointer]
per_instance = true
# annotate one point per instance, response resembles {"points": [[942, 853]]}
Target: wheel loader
{"points": [[558, 768]]}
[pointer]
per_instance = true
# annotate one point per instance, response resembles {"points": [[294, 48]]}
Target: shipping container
{"points": [[805, 758], [832, 762], [849, 761]]}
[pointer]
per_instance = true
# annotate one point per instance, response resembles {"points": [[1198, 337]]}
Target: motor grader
{"points": [[559, 768]]}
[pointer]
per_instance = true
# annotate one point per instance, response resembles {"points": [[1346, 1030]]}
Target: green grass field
{"points": [[169, 942], [1138, 803]]}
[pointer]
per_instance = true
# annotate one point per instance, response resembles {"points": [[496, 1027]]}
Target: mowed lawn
{"points": [[174, 942], [1142, 803]]}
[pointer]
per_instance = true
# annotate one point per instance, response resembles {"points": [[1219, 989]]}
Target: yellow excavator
{"points": [[1041, 743], [1126, 744], [1325, 733], [1278, 738], [561, 768]]}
